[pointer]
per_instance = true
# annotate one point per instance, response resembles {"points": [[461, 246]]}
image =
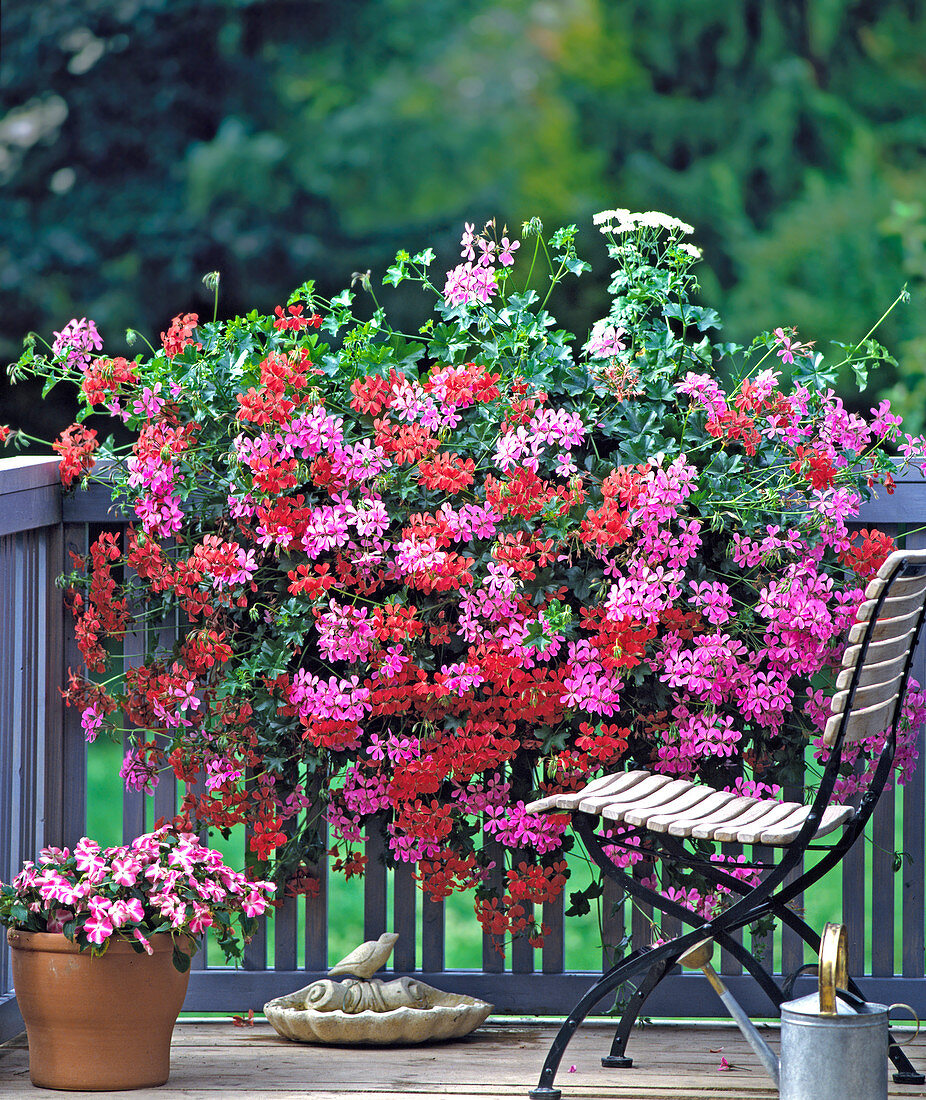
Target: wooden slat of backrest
{"points": [[914, 831], [404, 918], [254, 956], [877, 652], [870, 695], [873, 673], [866, 722], [10, 732], [45, 681], [906, 595], [133, 806], [671, 927], [885, 629], [522, 954], [164, 800], [882, 886], [165, 793]]}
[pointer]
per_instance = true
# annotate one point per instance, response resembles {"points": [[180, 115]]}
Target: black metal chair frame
{"points": [[769, 898]]}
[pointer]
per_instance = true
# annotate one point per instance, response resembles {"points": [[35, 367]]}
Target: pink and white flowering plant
{"points": [[162, 882], [421, 579]]}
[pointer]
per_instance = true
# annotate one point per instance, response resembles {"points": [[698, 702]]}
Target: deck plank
{"points": [[501, 1060]]}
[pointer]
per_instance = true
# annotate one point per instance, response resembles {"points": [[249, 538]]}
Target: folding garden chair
{"points": [[661, 812]]}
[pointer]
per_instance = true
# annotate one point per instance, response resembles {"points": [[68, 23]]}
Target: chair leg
{"points": [[617, 1059], [607, 983], [905, 1072]]}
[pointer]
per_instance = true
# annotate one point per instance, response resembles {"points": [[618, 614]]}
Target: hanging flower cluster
{"points": [[421, 580]]}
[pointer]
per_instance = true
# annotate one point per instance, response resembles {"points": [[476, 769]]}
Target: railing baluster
{"points": [[28, 602], [165, 793], [432, 934], [914, 824], [763, 944], [55, 673], [404, 915], [285, 925], [553, 953], [374, 885], [522, 954], [74, 753], [8, 734], [316, 921], [882, 886], [728, 964], [853, 905], [18, 653], [792, 946], [493, 947], [612, 921]]}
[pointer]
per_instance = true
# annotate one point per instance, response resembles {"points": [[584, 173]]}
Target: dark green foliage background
{"points": [[146, 142]]}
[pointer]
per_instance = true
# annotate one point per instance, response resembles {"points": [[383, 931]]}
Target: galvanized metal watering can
{"points": [[832, 1047]]}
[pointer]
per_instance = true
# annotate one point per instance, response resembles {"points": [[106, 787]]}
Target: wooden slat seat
{"points": [[683, 808]]}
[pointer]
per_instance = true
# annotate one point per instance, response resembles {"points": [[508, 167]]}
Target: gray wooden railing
{"points": [[43, 797]]}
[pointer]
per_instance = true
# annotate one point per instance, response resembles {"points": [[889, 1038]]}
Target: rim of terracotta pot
{"points": [[58, 943]]}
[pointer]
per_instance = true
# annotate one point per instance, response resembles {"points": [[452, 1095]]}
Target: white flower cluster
{"points": [[623, 221]]}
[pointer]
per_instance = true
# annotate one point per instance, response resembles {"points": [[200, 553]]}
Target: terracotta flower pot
{"points": [[103, 1023]]}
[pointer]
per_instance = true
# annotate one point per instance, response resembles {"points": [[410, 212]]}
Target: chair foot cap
{"points": [[905, 1077], [544, 1093], [616, 1061]]}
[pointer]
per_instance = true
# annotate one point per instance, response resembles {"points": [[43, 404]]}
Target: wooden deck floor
{"points": [[215, 1059]]}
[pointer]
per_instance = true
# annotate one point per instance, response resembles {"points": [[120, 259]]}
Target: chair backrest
{"points": [[879, 649]]}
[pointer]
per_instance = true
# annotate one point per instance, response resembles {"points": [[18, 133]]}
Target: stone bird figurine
{"points": [[365, 960]]}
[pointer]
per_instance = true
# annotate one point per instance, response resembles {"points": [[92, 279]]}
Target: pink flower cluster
{"points": [[158, 507], [517, 829], [475, 280], [129, 892], [523, 445], [76, 341]]}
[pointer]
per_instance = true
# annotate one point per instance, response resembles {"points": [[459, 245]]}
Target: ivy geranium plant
{"points": [[162, 882], [420, 578]]}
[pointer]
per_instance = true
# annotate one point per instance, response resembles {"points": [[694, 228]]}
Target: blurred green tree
{"points": [[146, 142]]}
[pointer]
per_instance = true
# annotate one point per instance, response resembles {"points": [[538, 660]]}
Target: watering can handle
{"points": [[834, 966]]}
